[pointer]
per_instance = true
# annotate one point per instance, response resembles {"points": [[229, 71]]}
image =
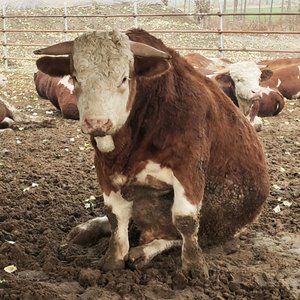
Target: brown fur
{"points": [[279, 63], [185, 122], [181, 120], [289, 81], [287, 71], [47, 87], [198, 60]]}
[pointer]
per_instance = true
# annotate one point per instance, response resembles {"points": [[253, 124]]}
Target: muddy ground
{"points": [[46, 175], [48, 185]]}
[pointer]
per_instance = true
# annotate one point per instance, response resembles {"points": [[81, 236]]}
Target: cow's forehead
{"points": [[106, 52], [244, 70]]}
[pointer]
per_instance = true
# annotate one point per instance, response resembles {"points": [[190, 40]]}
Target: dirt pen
{"points": [[48, 183]]}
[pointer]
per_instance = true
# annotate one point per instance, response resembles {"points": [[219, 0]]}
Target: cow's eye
{"points": [[124, 80]]}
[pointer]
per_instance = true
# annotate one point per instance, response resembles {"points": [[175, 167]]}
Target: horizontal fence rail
{"points": [[220, 31]]}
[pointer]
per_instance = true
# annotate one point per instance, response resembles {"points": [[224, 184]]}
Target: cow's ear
{"points": [[224, 79], [150, 66], [266, 74], [54, 66]]}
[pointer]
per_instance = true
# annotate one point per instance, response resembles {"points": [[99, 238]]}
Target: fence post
{"points": [[221, 28], [135, 12], [66, 21], [5, 39]]}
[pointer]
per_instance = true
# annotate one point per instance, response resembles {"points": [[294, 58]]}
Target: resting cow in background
{"points": [[286, 76], [279, 63], [241, 82], [171, 152], [59, 90], [200, 62], [270, 102]]}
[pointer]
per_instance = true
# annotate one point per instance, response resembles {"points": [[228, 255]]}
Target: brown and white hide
{"points": [[167, 142]]}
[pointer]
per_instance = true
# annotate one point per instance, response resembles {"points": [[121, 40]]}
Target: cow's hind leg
{"points": [[186, 219], [89, 232], [140, 256]]}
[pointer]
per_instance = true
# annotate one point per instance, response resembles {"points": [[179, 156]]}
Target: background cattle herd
{"points": [[265, 98]]}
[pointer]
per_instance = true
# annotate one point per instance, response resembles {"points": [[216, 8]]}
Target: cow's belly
{"points": [[151, 193], [152, 181]]}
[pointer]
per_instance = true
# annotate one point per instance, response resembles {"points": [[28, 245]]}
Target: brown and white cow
{"points": [[59, 90], [286, 76], [167, 143], [280, 63], [200, 62], [241, 82], [269, 102]]}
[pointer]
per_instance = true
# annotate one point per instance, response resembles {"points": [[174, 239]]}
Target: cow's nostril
{"points": [[96, 126]]}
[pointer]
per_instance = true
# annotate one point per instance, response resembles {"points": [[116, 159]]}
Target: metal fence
{"points": [[135, 16]]}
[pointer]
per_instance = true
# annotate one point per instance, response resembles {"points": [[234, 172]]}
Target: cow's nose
{"points": [[96, 127], [256, 93]]}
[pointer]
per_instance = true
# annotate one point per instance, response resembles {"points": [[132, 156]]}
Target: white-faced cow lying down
{"points": [[270, 102], [241, 82], [59, 90], [167, 142]]}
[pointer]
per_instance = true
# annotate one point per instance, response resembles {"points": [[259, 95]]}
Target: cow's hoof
{"points": [[137, 258], [197, 269], [85, 233], [108, 263]]}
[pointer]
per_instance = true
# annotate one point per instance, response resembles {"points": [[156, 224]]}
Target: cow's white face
{"points": [[246, 77], [102, 63]]}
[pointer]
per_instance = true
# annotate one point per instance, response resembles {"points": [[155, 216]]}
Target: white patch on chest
{"points": [[65, 82], [155, 171], [105, 143]]}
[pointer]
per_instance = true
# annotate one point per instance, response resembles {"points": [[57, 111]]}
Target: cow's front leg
{"points": [[119, 213], [186, 219]]}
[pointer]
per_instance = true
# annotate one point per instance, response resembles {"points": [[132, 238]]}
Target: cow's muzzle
{"points": [[96, 127], [256, 94]]}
